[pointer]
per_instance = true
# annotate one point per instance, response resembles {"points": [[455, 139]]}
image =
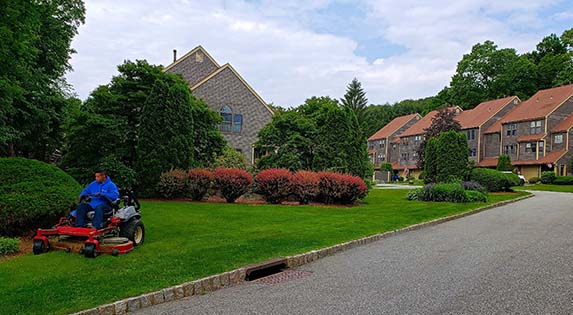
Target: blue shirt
{"points": [[107, 188]]}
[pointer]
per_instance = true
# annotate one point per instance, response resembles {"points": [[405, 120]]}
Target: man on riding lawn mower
{"points": [[102, 190]]}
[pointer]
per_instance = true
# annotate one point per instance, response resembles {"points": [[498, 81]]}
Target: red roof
{"points": [[488, 162], [392, 126], [425, 122], [483, 112], [564, 125], [533, 137], [551, 157], [397, 166], [539, 105]]}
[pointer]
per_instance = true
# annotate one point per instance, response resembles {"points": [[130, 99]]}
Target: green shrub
{"points": [[386, 167], [475, 196], [33, 194], [494, 180], [563, 180], [414, 194], [547, 177], [533, 180], [9, 245], [445, 192], [172, 184], [504, 163], [122, 175]]}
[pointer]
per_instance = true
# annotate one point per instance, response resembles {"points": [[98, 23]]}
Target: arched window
{"points": [[231, 122], [227, 115]]}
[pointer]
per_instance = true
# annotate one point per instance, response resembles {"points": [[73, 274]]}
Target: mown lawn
{"points": [[187, 241], [545, 187]]}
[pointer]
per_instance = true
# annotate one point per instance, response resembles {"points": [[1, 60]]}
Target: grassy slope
{"points": [[187, 241], [544, 187]]}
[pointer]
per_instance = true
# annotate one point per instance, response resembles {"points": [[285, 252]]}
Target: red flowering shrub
{"points": [[172, 184], [275, 184], [199, 182], [232, 182], [305, 186], [341, 188]]}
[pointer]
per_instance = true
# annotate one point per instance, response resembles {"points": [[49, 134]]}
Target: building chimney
{"points": [[174, 55]]}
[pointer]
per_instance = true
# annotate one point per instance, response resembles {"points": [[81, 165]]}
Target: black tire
{"points": [[134, 230], [90, 250], [39, 247]]}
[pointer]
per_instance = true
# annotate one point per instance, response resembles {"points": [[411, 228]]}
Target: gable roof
{"points": [[393, 126], [228, 66], [480, 114], [496, 127], [424, 123], [187, 55], [551, 157], [540, 105], [564, 125]]}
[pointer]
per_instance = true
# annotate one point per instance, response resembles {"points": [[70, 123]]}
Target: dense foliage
{"points": [[563, 180], [9, 245], [355, 99], [318, 135], [199, 182], [533, 180], [442, 122], [232, 183], [305, 186], [340, 188], [548, 177], [34, 56], [230, 158], [447, 158], [172, 184], [449, 192], [494, 180], [148, 121], [33, 194], [275, 185], [504, 163]]}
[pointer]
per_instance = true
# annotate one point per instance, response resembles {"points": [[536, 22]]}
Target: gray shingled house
{"points": [[244, 112]]}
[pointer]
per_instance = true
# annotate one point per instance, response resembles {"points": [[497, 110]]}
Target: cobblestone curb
{"points": [[237, 276]]}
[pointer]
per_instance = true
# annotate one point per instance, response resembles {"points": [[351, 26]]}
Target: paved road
{"points": [[396, 186], [516, 259]]}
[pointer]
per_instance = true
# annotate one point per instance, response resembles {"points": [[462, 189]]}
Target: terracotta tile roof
{"points": [[425, 122], [527, 138], [483, 112], [392, 126], [396, 140], [488, 162], [496, 127], [564, 125], [551, 157], [539, 105]]}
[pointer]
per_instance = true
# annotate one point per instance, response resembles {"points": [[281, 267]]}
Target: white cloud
{"points": [[271, 44]]}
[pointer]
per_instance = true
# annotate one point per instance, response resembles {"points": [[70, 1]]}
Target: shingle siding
{"points": [[194, 68], [225, 88]]}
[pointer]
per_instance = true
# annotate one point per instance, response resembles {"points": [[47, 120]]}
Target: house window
{"points": [[237, 123], [534, 147], [540, 146], [471, 134], [535, 127], [528, 147], [473, 152], [558, 138], [511, 129], [513, 148], [227, 115]]}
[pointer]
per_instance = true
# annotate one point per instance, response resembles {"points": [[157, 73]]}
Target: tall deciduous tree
{"points": [[355, 99], [34, 55], [444, 121]]}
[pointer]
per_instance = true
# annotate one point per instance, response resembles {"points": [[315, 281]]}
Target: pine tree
{"points": [[504, 163], [355, 99]]}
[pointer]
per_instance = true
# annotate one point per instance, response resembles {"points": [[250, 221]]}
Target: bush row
{"points": [[549, 177], [450, 192], [9, 245], [563, 180], [494, 180], [275, 185]]}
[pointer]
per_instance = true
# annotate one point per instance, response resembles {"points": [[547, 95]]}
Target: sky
{"points": [[289, 51]]}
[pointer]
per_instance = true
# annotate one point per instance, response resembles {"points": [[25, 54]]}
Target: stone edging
{"points": [[237, 276]]}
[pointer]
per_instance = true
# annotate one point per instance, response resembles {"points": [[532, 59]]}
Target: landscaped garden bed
{"points": [[190, 240]]}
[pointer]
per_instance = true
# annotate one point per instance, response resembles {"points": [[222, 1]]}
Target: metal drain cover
{"points": [[283, 277]]}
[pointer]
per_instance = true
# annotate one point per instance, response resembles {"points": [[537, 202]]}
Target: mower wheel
{"points": [[39, 247], [134, 230], [90, 250]]}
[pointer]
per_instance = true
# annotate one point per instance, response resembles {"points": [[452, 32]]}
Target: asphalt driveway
{"points": [[516, 259]]}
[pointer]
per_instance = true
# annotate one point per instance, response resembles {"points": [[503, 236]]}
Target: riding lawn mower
{"points": [[122, 231]]}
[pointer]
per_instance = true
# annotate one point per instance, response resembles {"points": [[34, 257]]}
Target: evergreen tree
{"points": [[451, 157], [504, 163], [355, 99], [430, 162]]}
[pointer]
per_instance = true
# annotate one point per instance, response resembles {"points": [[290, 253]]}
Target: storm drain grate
{"points": [[284, 276]]}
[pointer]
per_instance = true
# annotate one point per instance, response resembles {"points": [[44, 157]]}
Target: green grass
{"points": [[187, 241], [546, 187]]}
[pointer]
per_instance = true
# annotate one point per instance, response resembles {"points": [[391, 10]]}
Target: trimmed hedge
{"points": [[563, 180], [33, 194], [199, 181], [172, 184], [9, 245], [232, 182], [548, 177], [275, 184], [341, 188], [494, 180], [305, 186], [533, 180], [447, 192]]}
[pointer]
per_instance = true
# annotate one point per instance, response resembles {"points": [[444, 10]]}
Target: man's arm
{"points": [[111, 192]]}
